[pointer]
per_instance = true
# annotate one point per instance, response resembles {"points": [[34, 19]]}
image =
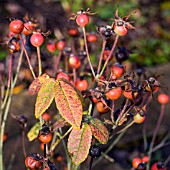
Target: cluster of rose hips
{"points": [[113, 84], [140, 164]]}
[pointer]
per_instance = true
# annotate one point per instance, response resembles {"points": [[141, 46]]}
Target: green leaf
{"points": [[34, 131], [45, 97], [79, 143], [99, 130], [68, 103]]}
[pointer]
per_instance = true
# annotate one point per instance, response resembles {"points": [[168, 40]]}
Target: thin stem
{"points": [[87, 51], [39, 61], [101, 56], [144, 135], [28, 60], [8, 84], [10, 71], [126, 127], [160, 146], [45, 150], [155, 134], [166, 161], [57, 138], [39, 73], [90, 108], [58, 59], [68, 131], [111, 52], [112, 111], [109, 148], [11, 162], [53, 140], [3, 128], [91, 163], [66, 152], [18, 68], [75, 167], [74, 75], [23, 142], [7, 109], [122, 112], [2, 92], [66, 63], [108, 157]]}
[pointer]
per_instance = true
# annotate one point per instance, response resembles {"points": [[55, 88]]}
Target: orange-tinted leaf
{"points": [[34, 131], [79, 143], [99, 130], [78, 92], [61, 122], [45, 97], [37, 83], [68, 103]]}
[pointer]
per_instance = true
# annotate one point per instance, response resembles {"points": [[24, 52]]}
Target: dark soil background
{"points": [[52, 16]]}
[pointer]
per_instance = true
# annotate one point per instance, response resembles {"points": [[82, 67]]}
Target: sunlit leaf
{"points": [[37, 83], [99, 130], [45, 97], [34, 131], [68, 103], [79, 143], [77, 91]]}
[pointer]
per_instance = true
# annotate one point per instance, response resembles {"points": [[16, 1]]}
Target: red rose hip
{"points": [[16, 26], [37, 39], [82, 20], [163, 98]]}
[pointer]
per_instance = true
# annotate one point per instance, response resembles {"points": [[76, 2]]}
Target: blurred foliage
{"points": [[149, 44], [3, 55], [152, 18]]}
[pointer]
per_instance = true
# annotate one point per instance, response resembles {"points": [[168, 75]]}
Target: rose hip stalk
{"points": [[36, 40], [162, 99], [82, 19]]}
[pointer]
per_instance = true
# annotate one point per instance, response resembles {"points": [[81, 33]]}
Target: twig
{"points": [[28, 60], [126, 127], [74, 75], [167, 161], [101, 56], [7, 109], [66, 152], [112, 111], [58, 60], [39, 61], [87, 51], [122, 112], [155, 134], [8, 84], [109, 148], [91, 163], [111, 52], [23, 142]]}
